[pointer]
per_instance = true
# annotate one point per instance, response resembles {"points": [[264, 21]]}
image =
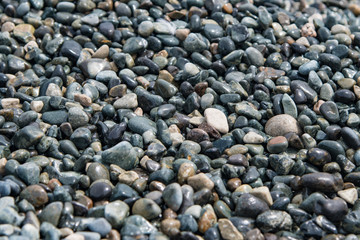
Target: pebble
{"points": [[122, 154], [216, 119], [200, 181], [281, 124], [322, 182], [146, 208], [35, 194], [250, 206], [273, 220], [228, 231], [173, 196], [277, 144]]}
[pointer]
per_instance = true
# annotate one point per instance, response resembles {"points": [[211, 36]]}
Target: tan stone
{"points": [[308, 30], [252, 137], [182, 33], [64, 232], [350, 195], [114, 235], [7, 27], [263, 193], [127, 101], [228, 231], [245, 188], [102, 52], [186, 170], [281, 124], [357, 91], [96, 146], [75, 236], [346, 83], [317, 106], [83, 99], [200, 181], [53, 90], [3, 162], [170, 226], [24, 32], [237, 149], [355, 8], [164, 74], [10, 103], [128, 177], [118, 90]]}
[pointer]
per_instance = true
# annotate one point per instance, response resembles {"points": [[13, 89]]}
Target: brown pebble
{"points": [[86, 201], [169, 213], [118, 90], [35, 194], [201, 87], [156, 186], [200, 181], [101, 203], [207, 219], [170, 227], [82, 99], [348, 185], [233, 184], [53, 183], [228, 8], [163, 74], [186, 170], [317, 106], [182, 34], [114, 235], [355, 8]]}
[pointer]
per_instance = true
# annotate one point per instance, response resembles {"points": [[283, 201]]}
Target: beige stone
{"points": [[253, 137], [127, 101], [83, 99], [200, 181], [350, 195], [228, 231], [53, 90], [263, 193], [75, 236], [10, 103], [186, 170], [217, 120], [128, 177], [102, 52], [281, 124]]}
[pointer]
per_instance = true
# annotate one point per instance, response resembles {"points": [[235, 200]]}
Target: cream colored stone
{"points": [[10, 103], [263, 193], [253, 137], [228, 231], [350, 195], [217, 120]]}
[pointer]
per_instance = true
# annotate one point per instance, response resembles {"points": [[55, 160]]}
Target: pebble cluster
{"points": [[179, 119]]}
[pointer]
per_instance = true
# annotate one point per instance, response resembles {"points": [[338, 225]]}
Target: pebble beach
{"points": [[179, 119]]}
